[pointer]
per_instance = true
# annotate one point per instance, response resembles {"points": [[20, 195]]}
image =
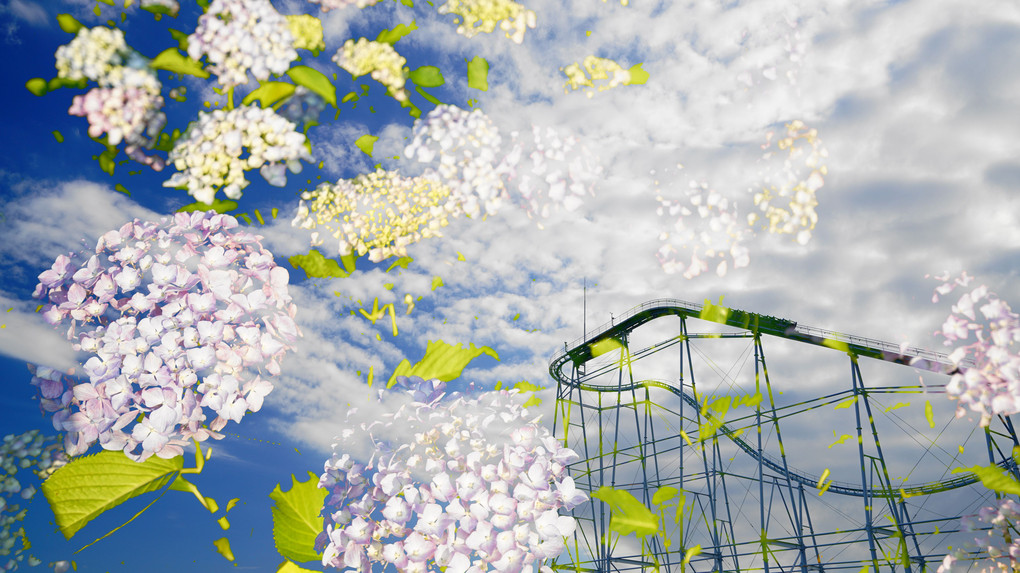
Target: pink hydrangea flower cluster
{"points": [[43, 454], [454, 496], [180, 315], [127, 104], [986, 333], [995, 545], [238, 36]]}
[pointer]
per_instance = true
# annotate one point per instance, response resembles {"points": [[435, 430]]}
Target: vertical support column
{"points": [[868, 497]]}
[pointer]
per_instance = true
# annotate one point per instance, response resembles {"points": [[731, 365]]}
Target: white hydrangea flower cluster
{"points": [[127, 104], [328, 5], [551, 170], [238, 36], [705, 223], [483, 15], [180, 315], [995, 546], [380, 213], [464, 147], [208, 155], [43, 454], [479, 487], [592, 69], [787, 197], [986, 333], [379, 59], [307, 32], [92, 55]]}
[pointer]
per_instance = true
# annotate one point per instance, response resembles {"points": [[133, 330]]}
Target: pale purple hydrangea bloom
{"points": [[452, 497], [986, 333], [238, 36], [551, 171], [180, 315], [995, 545]]}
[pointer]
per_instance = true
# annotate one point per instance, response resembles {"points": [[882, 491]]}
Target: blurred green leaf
{"points": [[317, 266], [172, 60], [994, 478], [269, 93], [314, 80], [37, 86], [393, 35], [442, 361], [69, 24], [629, 515], [220, 206], [478, 73], [427, 77], [366, 143], [637, 75]]}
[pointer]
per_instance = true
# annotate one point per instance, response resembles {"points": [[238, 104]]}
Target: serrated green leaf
{"points": [[220, 206], [37, 86], [269, 93], [442, 361], [86, 487], [478, 73], [366, 143], [172, 60], [637, 75], [296, 519], [427, 77], [993, 477], [317, 266], [69, 24], [393, 35], [314, 80], [629, 515]]}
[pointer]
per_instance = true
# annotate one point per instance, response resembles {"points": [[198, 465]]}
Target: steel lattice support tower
{"points": [[760, 513]]}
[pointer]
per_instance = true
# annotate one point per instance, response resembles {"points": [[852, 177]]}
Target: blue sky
{"points": [[915, 103]]}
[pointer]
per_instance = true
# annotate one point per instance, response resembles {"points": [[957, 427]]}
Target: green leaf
{"points": [[431, 98], [427, 77], [180, 37], [69, 24], [106, 162], [993, 477], [296, 519], [478, 74], [86, 487], [637, 75], [928, 415], [122, 189], [318, 266], [366, 143], [37, 86], [314, 80], [442, 361], [172, 60], [269, 93], [223, 548], [629, 515], [437, 282], [220, 206], [402, 262], [57, 83], [393, 35], [664, 493]]}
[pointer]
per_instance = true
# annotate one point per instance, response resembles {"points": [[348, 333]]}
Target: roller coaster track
{"points": [[581, 351]]}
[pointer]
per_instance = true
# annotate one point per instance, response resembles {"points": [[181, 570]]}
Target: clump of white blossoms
{"points": [[787, 196], [986, 333], [380, 213], [477, 486], [379, 59], [464, 148], [238, 36], [31, 450], [703, 229], [483, 16], [328, 5], [92, 55], [995, 545], [127, 104], [208, 155], [592, 69]]}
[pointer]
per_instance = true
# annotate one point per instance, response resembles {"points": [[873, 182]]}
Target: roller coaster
{"points": [[745, 496]]}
